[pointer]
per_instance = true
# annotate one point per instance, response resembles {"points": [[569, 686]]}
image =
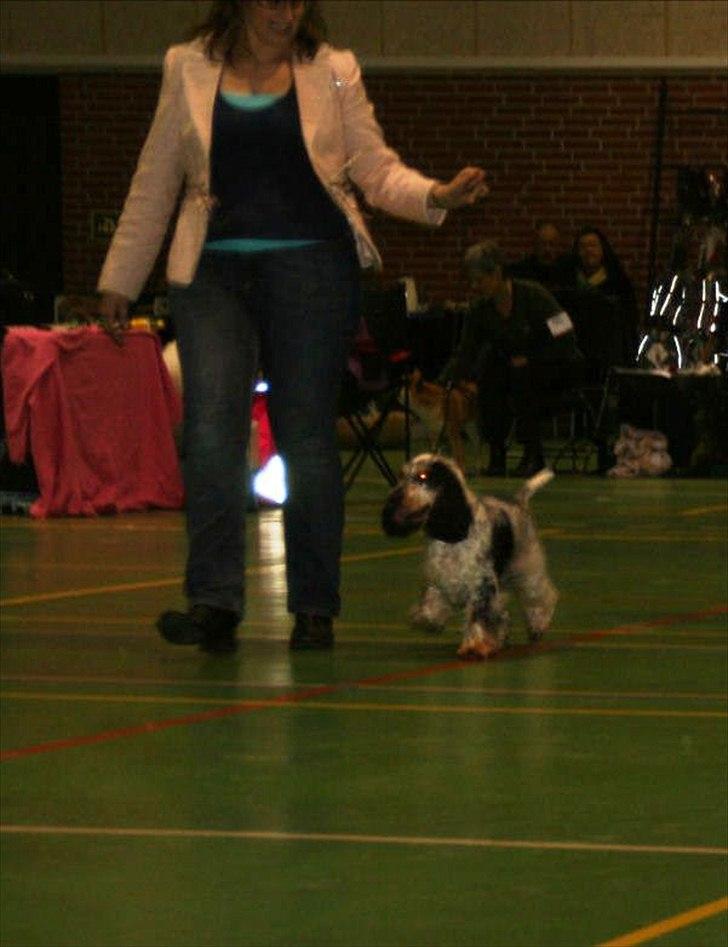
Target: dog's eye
{"points": [[422, 476]]}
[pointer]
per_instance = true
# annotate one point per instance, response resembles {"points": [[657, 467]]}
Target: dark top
{"points": [[537, 328], [550, 275], [262, 177], [619, 289]]}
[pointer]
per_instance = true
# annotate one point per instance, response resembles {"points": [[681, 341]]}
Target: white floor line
{"points": [[356, 839]]}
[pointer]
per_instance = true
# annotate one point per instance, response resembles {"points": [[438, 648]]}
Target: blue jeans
{"points": [[291, 313]]}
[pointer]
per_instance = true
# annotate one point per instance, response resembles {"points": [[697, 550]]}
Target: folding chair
{"points": [[599, 334], [382, 359]]}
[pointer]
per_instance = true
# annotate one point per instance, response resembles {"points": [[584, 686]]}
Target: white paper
{"points": [[560, 324]]}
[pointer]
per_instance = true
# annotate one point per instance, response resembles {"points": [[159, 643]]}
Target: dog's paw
{"points": [[425, 623], [477, 649]]}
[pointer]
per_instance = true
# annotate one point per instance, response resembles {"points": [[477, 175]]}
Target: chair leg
{"points": [[368, 447], [407, 421], [581, 444]]}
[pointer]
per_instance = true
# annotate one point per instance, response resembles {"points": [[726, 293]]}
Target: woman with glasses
{"points": [[260, 129]]}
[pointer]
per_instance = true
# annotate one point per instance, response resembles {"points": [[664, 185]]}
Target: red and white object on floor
{"points": [[269, 475], [269, 479]]}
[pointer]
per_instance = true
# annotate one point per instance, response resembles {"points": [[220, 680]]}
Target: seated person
{"points": [[518, 345], [546, 265], [595, 267]]}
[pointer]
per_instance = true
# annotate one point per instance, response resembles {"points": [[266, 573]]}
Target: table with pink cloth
{"points": [[96, 418]]}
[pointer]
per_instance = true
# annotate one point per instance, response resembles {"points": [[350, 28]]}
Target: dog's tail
{"points": [[533, 484]]}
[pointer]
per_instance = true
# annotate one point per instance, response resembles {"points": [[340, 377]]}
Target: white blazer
{"points": [[342, 137]]}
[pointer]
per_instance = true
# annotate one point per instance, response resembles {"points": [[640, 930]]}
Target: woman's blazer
{"points": [[341, 134]]}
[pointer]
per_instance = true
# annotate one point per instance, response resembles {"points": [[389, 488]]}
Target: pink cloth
{"points": [[96, 418]]}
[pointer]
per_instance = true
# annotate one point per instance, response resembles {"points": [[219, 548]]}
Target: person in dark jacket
{"points": [[546, 264], [596, 268], [518, 345]]}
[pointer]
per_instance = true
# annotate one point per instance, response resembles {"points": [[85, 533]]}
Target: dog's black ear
{"points": [[450, 518]]}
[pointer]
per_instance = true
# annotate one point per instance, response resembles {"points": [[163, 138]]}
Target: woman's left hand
{"points": [[467, 187]]}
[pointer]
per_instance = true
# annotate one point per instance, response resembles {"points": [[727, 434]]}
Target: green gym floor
{"points": [[570, 793]]}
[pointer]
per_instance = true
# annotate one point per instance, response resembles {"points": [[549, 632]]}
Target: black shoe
{"points": [[493, 470], [529, 466], [312, 633], [213, 629]]}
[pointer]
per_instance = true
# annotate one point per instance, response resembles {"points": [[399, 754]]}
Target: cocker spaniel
{"points": [[478, 549]]}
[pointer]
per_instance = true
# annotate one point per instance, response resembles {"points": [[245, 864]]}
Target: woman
{"points": [[596, 267], [519, 347], [262, 126]]}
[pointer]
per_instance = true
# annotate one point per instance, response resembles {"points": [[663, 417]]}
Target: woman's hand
{"points": [[467, 187], [113, 312]]}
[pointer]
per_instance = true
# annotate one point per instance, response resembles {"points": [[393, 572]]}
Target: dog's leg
{"points": [[486, 626], [432, 611], [537, 595], [540, 611]]}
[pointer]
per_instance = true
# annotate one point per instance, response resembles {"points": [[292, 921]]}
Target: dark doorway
{"points": [[30, 170]]}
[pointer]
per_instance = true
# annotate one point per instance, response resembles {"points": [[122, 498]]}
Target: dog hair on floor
{"points": [[444, 411], [478, 549]]}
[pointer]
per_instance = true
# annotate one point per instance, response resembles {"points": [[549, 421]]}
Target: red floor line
{"points": [[247, 706], [237, 708], [664, 621]]}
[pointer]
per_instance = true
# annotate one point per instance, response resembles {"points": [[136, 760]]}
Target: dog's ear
{"points": [[450, 517]]}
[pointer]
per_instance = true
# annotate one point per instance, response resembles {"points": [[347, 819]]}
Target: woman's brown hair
{"points": [[222, 27]]}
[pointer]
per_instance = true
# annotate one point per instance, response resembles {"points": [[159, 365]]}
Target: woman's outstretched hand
{"points": [[467, 187]]}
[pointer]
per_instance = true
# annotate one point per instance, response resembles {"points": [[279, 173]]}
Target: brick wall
{"points": [[573, 149]]}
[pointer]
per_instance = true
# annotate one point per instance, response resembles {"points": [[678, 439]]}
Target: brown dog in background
{"points": [[444, 413]]}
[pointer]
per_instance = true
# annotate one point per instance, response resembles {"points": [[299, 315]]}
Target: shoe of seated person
{"points": [[530, 464], [497, 462], [493, 470], [312, 633], [213, 629]]}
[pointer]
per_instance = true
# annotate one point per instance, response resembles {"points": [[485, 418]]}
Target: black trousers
{"points": [[526, 395]]}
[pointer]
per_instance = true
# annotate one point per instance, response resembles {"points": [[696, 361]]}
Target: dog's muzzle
{"points": [[396, 519]]}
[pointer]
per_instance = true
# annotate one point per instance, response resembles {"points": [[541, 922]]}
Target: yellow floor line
{"points": [[647, 646], [701, 510], [242, 684], [703, 537], [560, 534], [20, 569], [352, 839], [91, 590], [105, 524], [177, 581], [144, 624], [54, 618], [670, 924], [364, 706], [528, 711]]}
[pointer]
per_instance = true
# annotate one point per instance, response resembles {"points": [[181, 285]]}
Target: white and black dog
{"points": [[478, 549]]}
